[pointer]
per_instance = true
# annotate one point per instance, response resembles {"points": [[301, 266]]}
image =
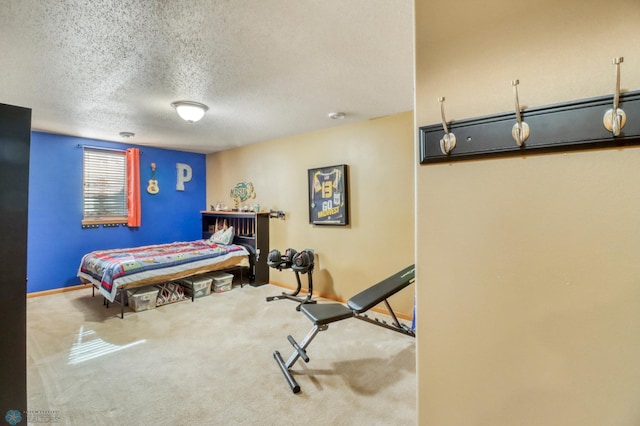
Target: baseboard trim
{"points": [[58, 290], [401, 315]]}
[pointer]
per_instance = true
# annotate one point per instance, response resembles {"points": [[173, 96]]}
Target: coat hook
{"points": [[520, 130], [448, 141], [615, 118]]}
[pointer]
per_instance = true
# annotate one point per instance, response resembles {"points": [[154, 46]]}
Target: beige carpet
{"points": [[210, 362]]}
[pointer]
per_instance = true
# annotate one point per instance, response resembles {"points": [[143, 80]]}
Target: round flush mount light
{"points": [[127, 135], [190, 111], [336, 115]]}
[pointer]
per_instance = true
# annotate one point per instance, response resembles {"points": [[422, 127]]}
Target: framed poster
{"points": [[328, 195]]}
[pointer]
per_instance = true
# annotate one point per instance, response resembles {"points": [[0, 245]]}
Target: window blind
{"points": [[104, 185]]}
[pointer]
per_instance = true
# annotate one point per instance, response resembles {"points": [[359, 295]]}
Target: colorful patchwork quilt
{"points": [[111, 269]]}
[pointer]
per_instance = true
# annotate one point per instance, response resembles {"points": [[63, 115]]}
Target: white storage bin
{"points": [[197, 286], [142, 299], [222, 287], [222, 281]]}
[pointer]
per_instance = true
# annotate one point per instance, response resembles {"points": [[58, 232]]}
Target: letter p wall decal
{"points": [[184, 175]]}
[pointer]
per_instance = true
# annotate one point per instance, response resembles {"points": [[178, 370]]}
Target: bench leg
{"points": [[295, 387], [299, 352]]}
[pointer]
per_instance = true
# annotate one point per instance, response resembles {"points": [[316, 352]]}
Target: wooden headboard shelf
{"points": [[560, 127]]}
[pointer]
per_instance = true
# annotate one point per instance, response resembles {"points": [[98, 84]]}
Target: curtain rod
{"points": [[103, 148]]}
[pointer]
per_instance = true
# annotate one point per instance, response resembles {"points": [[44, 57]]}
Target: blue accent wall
{"points": [[56, 240]]}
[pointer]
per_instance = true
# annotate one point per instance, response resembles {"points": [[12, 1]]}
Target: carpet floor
{"points": [[210, 362]]}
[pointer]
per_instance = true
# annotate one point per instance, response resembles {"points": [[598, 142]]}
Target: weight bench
{"points": [[326, 313]]}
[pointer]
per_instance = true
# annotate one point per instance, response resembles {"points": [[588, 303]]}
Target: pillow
{"points": [[223, 236]]}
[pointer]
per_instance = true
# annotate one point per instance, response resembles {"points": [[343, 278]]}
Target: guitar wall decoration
{"points": [[153, 188]]}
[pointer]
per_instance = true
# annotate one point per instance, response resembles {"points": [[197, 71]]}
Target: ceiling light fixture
{"points": [[337, 115], [127, 135], [190, 111]]}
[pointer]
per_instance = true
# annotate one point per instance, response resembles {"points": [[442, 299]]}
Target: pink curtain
{"points": [[133, 186]]}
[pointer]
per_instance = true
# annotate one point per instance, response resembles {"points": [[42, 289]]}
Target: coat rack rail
{"points": [[560, 127]]}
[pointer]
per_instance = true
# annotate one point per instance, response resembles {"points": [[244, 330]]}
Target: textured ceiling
{"points": [[266, 68]]}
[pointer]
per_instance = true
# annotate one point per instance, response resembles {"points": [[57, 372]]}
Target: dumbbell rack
{"points": [[294, 295]]}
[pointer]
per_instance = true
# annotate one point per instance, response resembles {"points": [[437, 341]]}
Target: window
{"points": [[104, 186]]}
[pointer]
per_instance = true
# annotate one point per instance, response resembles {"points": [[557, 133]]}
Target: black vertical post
{"points": [[15, 139], [262, 242]]}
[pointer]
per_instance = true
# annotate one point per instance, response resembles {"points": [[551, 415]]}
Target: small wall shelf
{"points": [[560, 127]]}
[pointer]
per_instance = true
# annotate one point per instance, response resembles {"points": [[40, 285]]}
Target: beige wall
{"points": [[529, 267], [380, 238]]}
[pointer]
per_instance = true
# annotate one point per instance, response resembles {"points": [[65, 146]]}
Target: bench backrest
{"points": [[386, 288]]}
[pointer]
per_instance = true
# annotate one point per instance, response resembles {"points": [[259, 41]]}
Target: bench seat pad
{"points": [[325, 313]]}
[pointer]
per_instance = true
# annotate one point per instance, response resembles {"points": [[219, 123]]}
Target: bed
{"points": [[111, 271]]}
